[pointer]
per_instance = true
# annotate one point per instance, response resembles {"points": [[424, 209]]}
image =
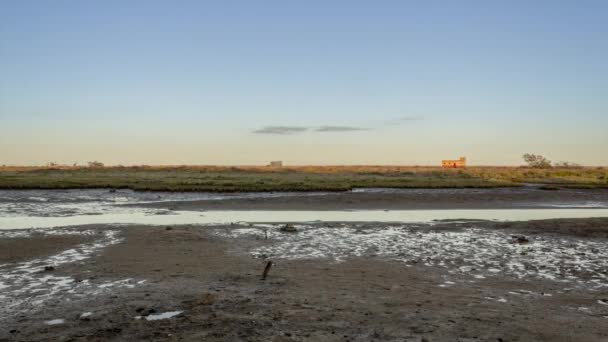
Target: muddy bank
{"points": [[209, 279], [26, 248], [587, 228], [501, 198]]}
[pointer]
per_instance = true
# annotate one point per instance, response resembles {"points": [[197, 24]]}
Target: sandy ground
{"points": [[501, 198], [212, 277]]}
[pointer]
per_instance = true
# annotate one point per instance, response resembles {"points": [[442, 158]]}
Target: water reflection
{"points": [[146, 217]]}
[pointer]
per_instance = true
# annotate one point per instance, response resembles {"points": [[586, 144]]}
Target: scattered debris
{"points": [[168, 228], [85, 316], [55, 322], [164, 315], [266, 270], [145, 312], [519, 239], [603, 301], [289, 228]]}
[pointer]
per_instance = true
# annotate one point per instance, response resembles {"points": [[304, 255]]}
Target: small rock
{"points": [[207, 299], [85, 316], [519, 239], [49, 268], [289, 228], [55, 322], [145, 311], [168, 228]]}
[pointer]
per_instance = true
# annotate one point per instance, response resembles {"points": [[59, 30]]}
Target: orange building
{"points": [[454, 164]]}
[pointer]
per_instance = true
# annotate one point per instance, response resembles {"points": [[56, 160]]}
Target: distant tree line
{"points": [[541, 162]]}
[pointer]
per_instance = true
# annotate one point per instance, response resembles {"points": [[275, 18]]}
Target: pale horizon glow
{"points": [[308, 83]]}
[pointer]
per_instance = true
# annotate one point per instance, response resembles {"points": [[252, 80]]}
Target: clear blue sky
{"points": [[308, 82]]}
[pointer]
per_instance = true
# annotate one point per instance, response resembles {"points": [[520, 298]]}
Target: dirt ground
{"points": [[217, 286]]}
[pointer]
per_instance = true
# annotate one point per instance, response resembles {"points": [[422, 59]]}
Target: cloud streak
{"points": [[287, 130], [290, 130], [404, 119], [281, 130], [340, 129]]}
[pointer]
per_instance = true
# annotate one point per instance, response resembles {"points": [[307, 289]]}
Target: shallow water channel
{"points": [[147, 217], [45, 209]]}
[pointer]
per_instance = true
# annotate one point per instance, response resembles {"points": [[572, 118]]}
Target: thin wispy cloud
{"points": [[340, 129], [404, 119], [288, 130], [283, 130]]}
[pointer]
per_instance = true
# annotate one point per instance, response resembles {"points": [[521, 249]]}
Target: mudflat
{"points": [[403, 199], [204, 283], [18, 249]]}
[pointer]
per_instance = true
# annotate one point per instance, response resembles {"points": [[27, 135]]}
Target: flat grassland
{"points": [[293, 178]]}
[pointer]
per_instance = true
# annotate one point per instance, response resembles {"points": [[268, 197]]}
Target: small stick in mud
{"points": [[266, 270]]}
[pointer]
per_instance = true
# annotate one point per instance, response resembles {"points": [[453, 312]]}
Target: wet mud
{"points": [[443, 281]]}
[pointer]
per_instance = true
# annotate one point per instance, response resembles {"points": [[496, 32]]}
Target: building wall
{"points": [[458, 163]]}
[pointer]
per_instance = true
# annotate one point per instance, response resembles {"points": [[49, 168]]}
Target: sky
{"points": [[306, 82]]}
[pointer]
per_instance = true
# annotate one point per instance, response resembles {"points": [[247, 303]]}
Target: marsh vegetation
{"points": [[297, 178]]}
